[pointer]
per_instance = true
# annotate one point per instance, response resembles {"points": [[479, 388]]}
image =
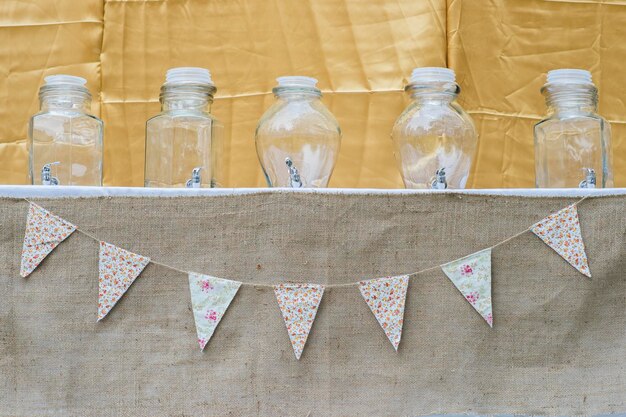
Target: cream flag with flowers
{"points": [[118, 269], [561, 231], [210, 298], [298, 304], [386, 298], [471, 275], [44, 232]]}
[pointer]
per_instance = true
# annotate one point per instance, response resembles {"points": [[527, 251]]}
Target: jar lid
{"points": [[297, 81], [432, 75], [62, 79], [569, 76], [188, 75]]}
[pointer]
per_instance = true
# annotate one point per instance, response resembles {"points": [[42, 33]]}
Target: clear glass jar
{"points": [[572, 145], [64, 140], [434, 139], [297, 139], [184, 142]]}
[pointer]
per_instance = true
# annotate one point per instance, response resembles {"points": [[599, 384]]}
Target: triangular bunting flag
{"points": [[118, 269], [44, 232], [210, 298], [298, 303], [386, 298], [472, 276], [561, 231]]}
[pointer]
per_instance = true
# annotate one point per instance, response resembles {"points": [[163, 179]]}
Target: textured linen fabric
{"points": [[557, 348]]}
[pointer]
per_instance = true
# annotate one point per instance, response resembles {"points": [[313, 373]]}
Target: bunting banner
{"points": [[561, 231], [44, 232], [210, 298], [118, 269], [298, 304], [471, 275], [386, 298]]}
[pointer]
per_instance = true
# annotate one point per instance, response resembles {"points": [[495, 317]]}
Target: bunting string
{"points": [[329, 286], [118, 268]]}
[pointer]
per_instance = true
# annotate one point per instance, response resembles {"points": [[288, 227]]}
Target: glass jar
{"points": [[434, 139], [297, 139], [64, 140], [184, 141], [572, 145]]}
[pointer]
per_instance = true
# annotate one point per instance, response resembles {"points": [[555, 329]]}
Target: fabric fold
{"points": [[471, 275], [210, 298], [118, 269], [386, 298], [44, 232], [561, 231], [298, 304]]}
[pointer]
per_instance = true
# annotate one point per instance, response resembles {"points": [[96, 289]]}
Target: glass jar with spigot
{"points": [[572, 144], [64, 139], [434, 138], [297, 139], [184, 141]]}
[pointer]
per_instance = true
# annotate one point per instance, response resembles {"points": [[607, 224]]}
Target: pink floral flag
{"points": [[298, 303], [44, 232], [118, 269], [386, 298], [210, 298], [472, 276], [561, 231]]}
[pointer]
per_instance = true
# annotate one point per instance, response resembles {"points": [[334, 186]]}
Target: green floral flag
{"points": [[472, 276], [210, 298]]}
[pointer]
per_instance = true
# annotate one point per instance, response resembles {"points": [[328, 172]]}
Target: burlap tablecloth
{"points": [[558, 346]]}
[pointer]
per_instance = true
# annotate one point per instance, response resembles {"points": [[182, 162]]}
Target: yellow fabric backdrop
{"points": [[361, 51]]}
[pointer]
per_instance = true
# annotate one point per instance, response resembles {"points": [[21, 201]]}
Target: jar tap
{"points": [[590, 179], [439, 181], [195, 180], [46, 174], [294, 176]]}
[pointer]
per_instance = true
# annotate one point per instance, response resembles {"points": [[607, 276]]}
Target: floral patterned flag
{"points": [[118, 270], [210, 298], [472, 276], [386, 298], [561, 231], [298, 303], [44, 232]]}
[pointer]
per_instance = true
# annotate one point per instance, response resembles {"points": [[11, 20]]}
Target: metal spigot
{"points": [[590, 179], [439, 182], [196, 179], [46, 174], [294, 177]]}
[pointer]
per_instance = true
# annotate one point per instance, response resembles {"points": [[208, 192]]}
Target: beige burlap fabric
{"points": [[558, 346]]}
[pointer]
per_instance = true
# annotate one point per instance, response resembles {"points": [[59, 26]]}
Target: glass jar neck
{"points": [[61, 98], [296, 93], [187, 97], [433, 93], [571, 98]]}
